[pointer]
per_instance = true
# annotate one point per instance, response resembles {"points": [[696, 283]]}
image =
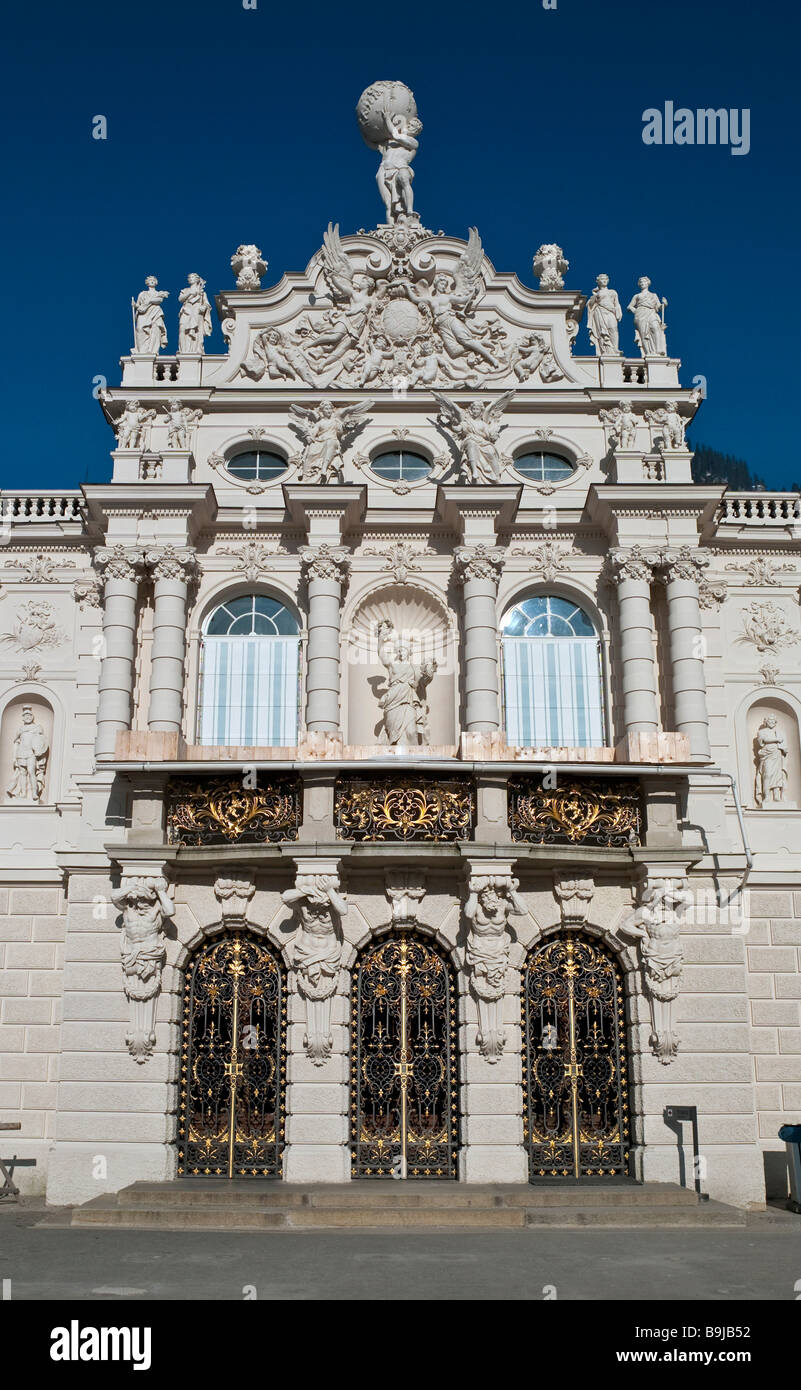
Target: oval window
{"points": [[401, 466], [256, 466], [540, 467]]}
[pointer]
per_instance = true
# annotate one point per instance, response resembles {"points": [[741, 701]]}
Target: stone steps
{"points": [[262, 1206]]}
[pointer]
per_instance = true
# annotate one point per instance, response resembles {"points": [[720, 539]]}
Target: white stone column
{"points": [[478, 570], [326, 571], [171, 572], [317, 1135], [632, 571], [120, 566], [682, 571]]}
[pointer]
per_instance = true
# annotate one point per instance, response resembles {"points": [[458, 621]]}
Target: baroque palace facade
{"points": [[400, 755]]}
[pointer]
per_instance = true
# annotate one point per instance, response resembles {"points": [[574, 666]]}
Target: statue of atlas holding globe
{"points": [[388, 120]]}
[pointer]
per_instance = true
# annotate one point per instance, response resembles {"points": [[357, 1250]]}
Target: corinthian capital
{"points": [[325, 562], [684, 563], [167, 562], [634, 563], [478, 562], [118, 562]]}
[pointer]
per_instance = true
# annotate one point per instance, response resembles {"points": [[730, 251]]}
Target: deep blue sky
{"points": [[230, 125]]}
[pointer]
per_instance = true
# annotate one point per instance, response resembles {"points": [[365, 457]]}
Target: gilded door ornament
{"points": [[403, 810], [220, 811], [588, 812], [403, 1069], [231, 1111], [656, 927], [575, 1102]]}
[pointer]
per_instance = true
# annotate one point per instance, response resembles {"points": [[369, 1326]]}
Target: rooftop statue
{"points": [[150, 332], [387, 116], [649, 319], [194, 319], [603, 317]]}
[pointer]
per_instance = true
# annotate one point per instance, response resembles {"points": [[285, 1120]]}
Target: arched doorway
{"points": [[231, 1113], [404, 1117], [576, 1117]]}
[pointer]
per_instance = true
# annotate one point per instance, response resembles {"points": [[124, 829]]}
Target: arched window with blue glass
{"points": [[553, 691], [249, 674]]}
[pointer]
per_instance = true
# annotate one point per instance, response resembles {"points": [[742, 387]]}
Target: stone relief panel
{"points": [[26, 739], [401, 671]]}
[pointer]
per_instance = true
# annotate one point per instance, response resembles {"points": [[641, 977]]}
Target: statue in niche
{"points": [[319, 908], [491, 901], [144, 904], [403, 702], [476, 431], [649, 320], [31, 751], [603, 318], [150, 332], [194, 319], [322, 429], [771, 762]]}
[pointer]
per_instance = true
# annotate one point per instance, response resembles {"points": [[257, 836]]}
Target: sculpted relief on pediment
{"points": [[397, 309]]}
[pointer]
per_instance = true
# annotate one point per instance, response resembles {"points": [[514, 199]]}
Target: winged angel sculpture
{"points": [[476, 431], [323, 429]]}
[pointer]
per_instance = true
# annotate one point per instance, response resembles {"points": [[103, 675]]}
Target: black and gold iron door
{"points": [[576, 1104], [231, 1116], [403, 1068]]}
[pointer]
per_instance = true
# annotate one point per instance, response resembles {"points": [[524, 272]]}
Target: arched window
{"points": [[249, 674], [552, 675]]}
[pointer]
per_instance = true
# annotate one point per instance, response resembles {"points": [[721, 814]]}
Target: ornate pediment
{"points": [[400, 309]]}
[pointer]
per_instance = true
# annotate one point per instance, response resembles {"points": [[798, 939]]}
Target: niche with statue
{"points": [[401, 672], [772, 733], [26, 735]]}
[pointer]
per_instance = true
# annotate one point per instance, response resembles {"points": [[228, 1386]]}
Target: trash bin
{"points": [[791, 1134]]}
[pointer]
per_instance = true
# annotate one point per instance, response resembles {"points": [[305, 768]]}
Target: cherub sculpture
{"points": [[322, 429], [476, 431], [278, 354], [132, 426], [668, 425], [180, 419], [621, 424]]}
